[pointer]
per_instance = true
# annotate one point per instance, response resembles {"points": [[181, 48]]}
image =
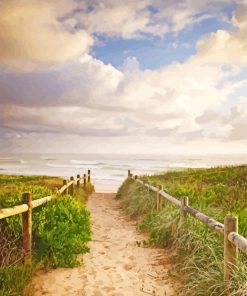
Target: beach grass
{"points": [[60, 230], [216, 192]]}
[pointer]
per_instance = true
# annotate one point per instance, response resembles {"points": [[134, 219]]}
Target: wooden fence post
{"points": [[128, 173], [158, 199], [184, 202], [65, 183], [71, 187], [27, 228], [230, 250], [89, 176], [84, 180], [78, 181]]}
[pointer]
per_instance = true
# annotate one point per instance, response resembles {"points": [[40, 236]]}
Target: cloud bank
{"points": [[53, 87]]}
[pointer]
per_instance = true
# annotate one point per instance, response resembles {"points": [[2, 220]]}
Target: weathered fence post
{"points": [[71, 187], [27, 228], [230, 250], [184, 202], [129, 173], [89, 176], [84, 180], [78, 181], [65, 183], [158, 199]]}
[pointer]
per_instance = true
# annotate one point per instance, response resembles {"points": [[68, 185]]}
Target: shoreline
{"points": [[109, 170]]}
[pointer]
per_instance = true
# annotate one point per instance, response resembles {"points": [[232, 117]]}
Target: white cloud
{"points": [[46, 32], [132, 19], [224, 46], [80, 99], [30, 33], [115, 18], [106, 102]]}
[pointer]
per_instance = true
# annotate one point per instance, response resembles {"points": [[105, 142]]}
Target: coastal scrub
{"points": [[216, 192], [60, 230]]}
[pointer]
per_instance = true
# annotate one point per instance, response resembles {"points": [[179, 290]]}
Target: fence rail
{"points": [[232, 240], [28, 205]]}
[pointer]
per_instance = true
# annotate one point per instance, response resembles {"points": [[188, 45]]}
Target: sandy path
{"points": [[116, 265]]}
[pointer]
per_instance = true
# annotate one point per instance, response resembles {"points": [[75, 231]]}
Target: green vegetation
{"points": [[60, 228], [199, 250]]}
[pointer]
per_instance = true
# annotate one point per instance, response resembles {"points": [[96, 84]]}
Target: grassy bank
{"points": [[199, 250], [60, 228]]}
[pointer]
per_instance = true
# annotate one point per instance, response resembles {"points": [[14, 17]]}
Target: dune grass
{"points": [[60, 230], [199, 250]]}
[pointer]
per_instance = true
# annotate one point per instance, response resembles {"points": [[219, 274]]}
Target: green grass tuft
{"points": [[60, 228], [199, 250]]}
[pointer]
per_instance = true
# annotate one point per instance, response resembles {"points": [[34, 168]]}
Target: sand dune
{"points": [[116, 264]]}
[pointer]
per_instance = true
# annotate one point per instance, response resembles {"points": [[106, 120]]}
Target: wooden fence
{"points": [[232, 240], [28, 205]]}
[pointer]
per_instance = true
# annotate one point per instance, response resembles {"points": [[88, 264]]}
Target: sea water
{"points": [[108, 171]]}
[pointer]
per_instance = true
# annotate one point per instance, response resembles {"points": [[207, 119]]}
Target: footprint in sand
{"points": [[97, 293], [128, 266], [116, 266], [68, 288], [108, 289]]}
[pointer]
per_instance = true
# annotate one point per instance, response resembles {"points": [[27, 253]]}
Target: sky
{"points": [[110, 76]]}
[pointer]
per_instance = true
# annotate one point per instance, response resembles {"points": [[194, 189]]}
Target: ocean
{"points": [[108, 171]]}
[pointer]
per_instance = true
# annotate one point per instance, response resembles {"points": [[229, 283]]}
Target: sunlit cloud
{"points": [[224, 46], [31, 34], [53, 86]]}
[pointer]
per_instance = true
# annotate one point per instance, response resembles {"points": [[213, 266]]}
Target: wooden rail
{"points": [[217, 226], [232, 240], [4, 213], [28, 205]]}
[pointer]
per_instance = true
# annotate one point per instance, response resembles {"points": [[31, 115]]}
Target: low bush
{"points": [[199, 250], [60, 230]]}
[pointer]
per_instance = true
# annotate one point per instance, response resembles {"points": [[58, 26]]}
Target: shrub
{"points": [[199, 250], [60, 229]]}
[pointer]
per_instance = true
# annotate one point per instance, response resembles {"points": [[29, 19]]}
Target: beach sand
{"points": [[117, 265]]}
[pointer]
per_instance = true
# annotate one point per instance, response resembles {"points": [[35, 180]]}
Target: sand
{"points": [[117, 265]]}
